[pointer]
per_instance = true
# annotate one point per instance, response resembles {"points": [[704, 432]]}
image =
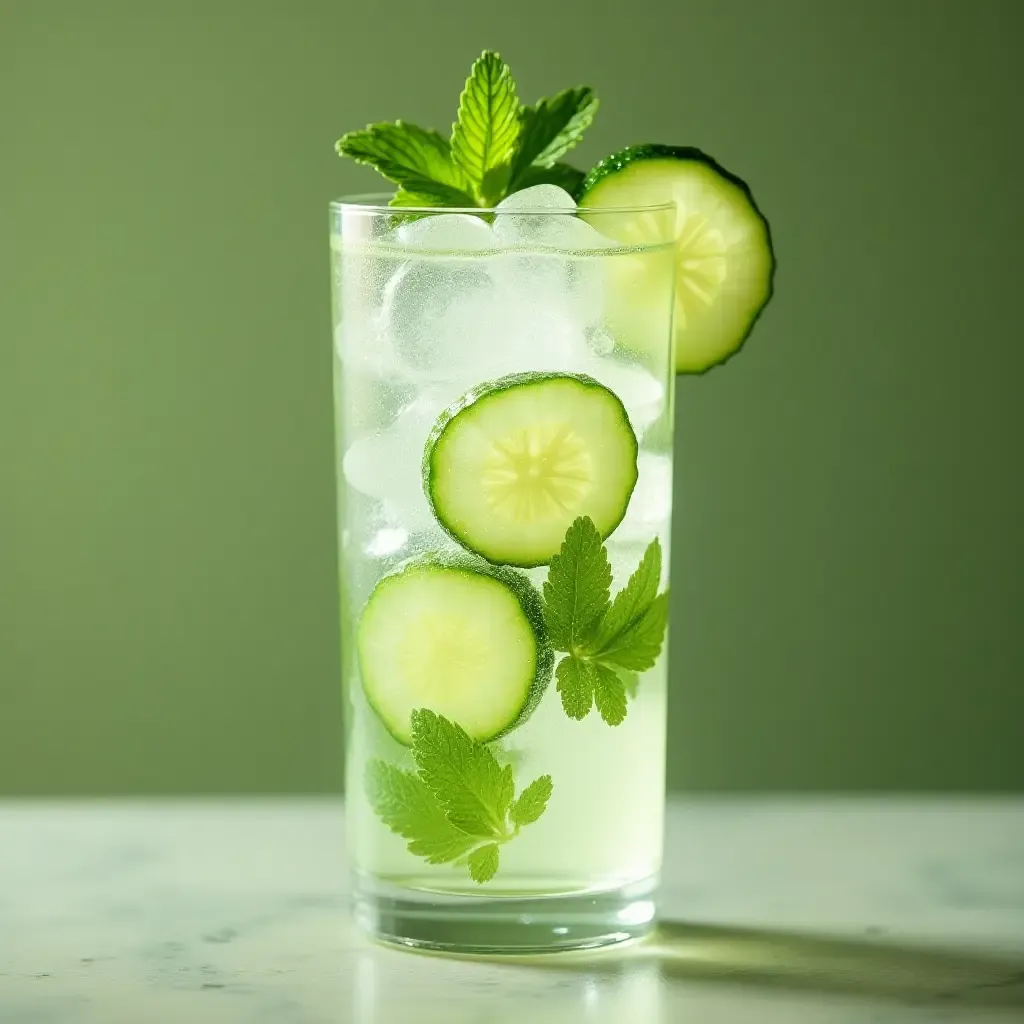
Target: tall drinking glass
{"points": [[498, 373]]}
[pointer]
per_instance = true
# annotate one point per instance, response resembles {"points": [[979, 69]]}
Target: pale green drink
{"points": [[419, 323]]}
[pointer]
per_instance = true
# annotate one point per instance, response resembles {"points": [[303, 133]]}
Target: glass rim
{"points": [[377, 203]]}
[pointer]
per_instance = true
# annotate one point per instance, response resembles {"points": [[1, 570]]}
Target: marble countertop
{"points": [[792, 911]]}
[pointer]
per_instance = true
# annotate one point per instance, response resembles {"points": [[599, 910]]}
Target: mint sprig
{"points": [[460, 804], [497, 145], [577, 589], [417, 159], [407, 806], [606, 642], [551, 127], [485, 135]]}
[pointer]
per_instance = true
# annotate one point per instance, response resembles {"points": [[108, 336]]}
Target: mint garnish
{"points": [[532, 801], [417, 159], [584, 682], [606, 642], [631, 632], [407, 806], [460, 801], [497, 145], [484, 136], [483, 862], [577, 588], [552, 126]]}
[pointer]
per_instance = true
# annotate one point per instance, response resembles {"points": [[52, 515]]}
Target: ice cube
{"points": [[649, 515], [436, 310], [564, 232], [359, 283], [361, 347], [456, 323], [429, 309], [640, 392], [454, 318], [536, 332], [545, 215], [568, 266], [650, 505], [543, 198], [447, 232], [387, 464]]}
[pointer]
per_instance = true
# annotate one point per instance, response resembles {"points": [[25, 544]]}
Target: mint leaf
{"points": [[638, 645], [404, 802], [497, 146], [485, 134], [632, 601], [582, 683], [418, 159], [532, 801], [581, 106], [483, 863], [465, 777], [460, 807], [609, 693], [562, 175], [552, 127], [607, 643], [574, 681], [577, 587]]}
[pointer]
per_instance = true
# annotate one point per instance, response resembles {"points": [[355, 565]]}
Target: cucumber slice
{"points": [[461, 637], [725, 265], [513, 462]]}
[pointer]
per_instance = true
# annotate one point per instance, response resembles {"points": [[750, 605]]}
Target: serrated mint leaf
{"points": [[497, 146], [483, 863], [584, 683], [464, 776], [485, 134], [577, 587], [418, 159], [637, 647], [532, 801], [632, 601], [404, 802], [609, 694], [607, 643], [575, 684], [460, 797], [551, 127], [562, 175]]}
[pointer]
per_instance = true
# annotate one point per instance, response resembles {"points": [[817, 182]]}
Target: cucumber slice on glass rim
{"points": [[725, 263]]}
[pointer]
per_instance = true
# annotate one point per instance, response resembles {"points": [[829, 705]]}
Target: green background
{"points": [[848, 557]]}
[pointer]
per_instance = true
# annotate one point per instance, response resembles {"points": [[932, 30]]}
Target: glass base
{"points": [[505, 924]]}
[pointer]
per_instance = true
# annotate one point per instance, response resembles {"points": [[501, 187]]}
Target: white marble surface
{"points": [[775, 911]]}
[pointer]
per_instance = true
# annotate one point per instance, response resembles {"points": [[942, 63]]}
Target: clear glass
{"points": [[427, 305]]}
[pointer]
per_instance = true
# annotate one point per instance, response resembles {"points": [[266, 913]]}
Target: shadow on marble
{"points": [[764, 959], [869, 967]]}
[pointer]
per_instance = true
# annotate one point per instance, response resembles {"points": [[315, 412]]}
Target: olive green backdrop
{"points": [[848, 562]]}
